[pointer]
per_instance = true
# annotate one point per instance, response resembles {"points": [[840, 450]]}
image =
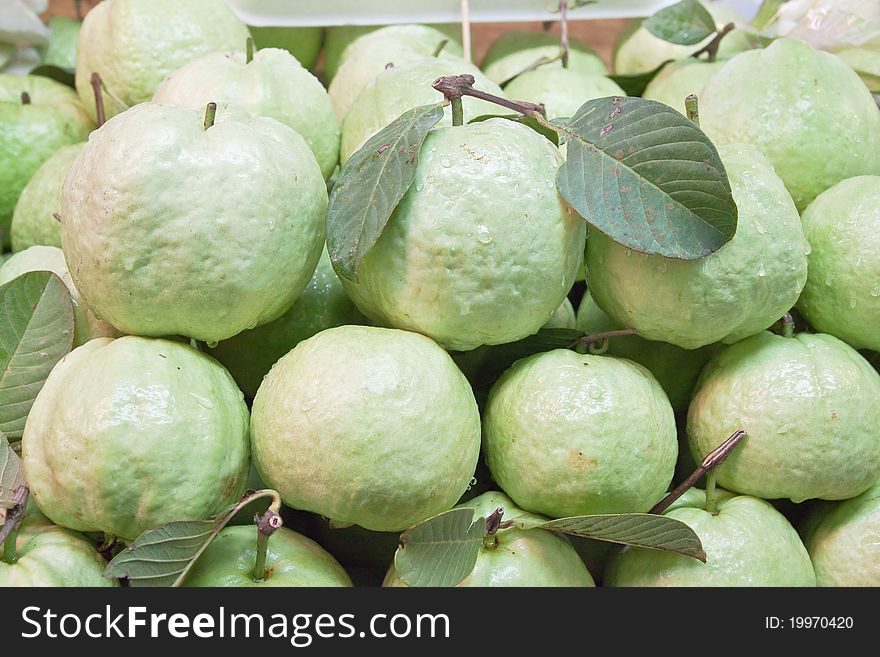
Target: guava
{"points": [[676, 369], [52, 556], [370, 54], [865, 62], [806, 110], [639, 51], [273, 84], [401, 88], [291, 560], [61, 49], [517, 50], [33, 221], [747, 543], [30, 132], [134, 44], [129, 434], [7, 50], [367, 426], [740, 289], [215, 231], [323, 304], [87, 325], [564, 317], [561, 90], [304, 43], [810, 406], [569, 434], [842, 294], [678, 80], [843, 539], [534, 557], [480, 249]]}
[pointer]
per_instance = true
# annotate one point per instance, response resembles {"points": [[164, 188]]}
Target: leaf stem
{"points": [[266, 526], [712, 459], [598, 337], [712, 47], [456, 86], [439, 48], [692, 108], [210, 114], [100, 114], [25, 98], [249, 50], [457, 111], [563, 23], [711, 492]]}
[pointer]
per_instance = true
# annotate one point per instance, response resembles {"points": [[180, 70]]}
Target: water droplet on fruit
{"points": [[627, 252], [419, 187], [761, 271], [202, 401], [211, 344], [875, 291], [308, 405], [808, 248], [445, 163], [785, 428], [852, 303], [430, 180], [271, 225], [760, 228], [828, 280], [483, 234], [662, 267]]}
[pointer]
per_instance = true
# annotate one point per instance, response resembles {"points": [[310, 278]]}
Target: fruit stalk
{"points": [[99, 99], [711, 493], [711, 48], [563, 22], [493, 524], [599, 337], [457, 111], [787, 326], [692, 107], [25, 98], [456, 86], [266, 526], [249, 50], [210, 114], [440, 46]]}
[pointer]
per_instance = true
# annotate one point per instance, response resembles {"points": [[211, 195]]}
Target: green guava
{"points": [[273, 84], [401, 88], [843, 539], [806, 110], [564, 317], [129, 434], [521, 557], [737, 291], [304, 43], [31, 132], [134, 44], [678, 80], [52, 556], [517, 50], [561, 90], [480, 250], [340, 427], [842, 294], [215, 231], [370, 54], [747, 543], [61, 49], [569, 434], [33, 221], [809, 407], [291, 560], [87, 325], [865, 62], [323, 304], [7, 50]]}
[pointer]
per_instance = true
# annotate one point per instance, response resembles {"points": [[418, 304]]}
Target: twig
{"points": [[712, 46]]}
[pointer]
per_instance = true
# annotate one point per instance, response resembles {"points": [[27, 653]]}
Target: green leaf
{"points": [[686, 23], [552, 135], [36, 331], [11, 474], [63, 75], [635, 84], [441, 551], [643, 530], [371, 184], [647, 177]]}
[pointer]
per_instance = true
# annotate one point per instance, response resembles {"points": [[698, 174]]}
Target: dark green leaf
{"points": [[62, 75], [552, 135], [371, 184], [643, 530], [647, 177], [636, 83], [11, 474], [441, 551], [686, 23], [36, 331]]}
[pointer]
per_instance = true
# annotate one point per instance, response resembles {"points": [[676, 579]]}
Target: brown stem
{"points": [[598, 337], [56, 217], [25, 98], [456, 86], [439, 48], [563, 22], [266, 526], [99, 99], [713, 459], [712, 47]]}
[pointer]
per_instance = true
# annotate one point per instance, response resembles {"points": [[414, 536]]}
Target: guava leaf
{"points": [[552, 135], [441, 551], [647, 177], [371, 184], [36, 331], [635, 84], [63, 75], [684, 23], [643, 530], [11, 474]]}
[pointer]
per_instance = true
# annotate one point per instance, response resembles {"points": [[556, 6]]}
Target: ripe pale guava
{"points": [[564, 317], [561, 90], [865, 62], [368, 426], [61, 49], [304, 43], [517, 50], [129, 434], [678, 80]]}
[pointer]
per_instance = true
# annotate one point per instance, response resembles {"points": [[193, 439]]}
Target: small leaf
{"points": [[11, 474], [647, 177], [635, 84], [63, 75], [440, 551], [686, 23], [552, 135], [371, 184], [36, 331]]}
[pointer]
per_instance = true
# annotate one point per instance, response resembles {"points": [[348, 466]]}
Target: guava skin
{"points": [[747, 543], [481, 249], [516, 50], [291, 560], [61, 50], [678, 80], [865, 62], [214, 232], [340, 428], [129, 434], [567, 434], [52, 556], [272, 84], [740, 289], [809, 406], [31, 133], [533, 557], [134, 44], [842, 294], [562, 91], [843, 539], [832, 134], [304, 43]]}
